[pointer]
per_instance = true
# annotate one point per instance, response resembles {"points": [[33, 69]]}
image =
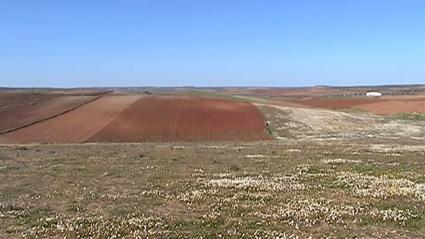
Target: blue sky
{"points": [[74, 43]]}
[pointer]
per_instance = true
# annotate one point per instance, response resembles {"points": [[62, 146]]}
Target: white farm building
{"points": [[374, 94]]}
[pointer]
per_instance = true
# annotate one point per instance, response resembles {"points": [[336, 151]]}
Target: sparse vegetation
{"points": [[234, 190], [409, 116]]}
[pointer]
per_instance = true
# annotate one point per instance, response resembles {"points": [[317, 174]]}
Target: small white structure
{"points": [[373, 94]]}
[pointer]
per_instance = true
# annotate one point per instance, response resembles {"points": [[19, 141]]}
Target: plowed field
{"points": [[185, 119], [29, 109], [335, 103], [384, 106], [75, 126], [387, 107], [10, 101]]}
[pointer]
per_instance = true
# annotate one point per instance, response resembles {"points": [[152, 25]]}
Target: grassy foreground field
{"points": [[245, 190]]}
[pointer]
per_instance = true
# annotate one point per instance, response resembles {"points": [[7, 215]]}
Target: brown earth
{"points": [[335, 103], [387, 107], [10, 101], [185, 119], [285, 92], [75, 126], [24, 109]]}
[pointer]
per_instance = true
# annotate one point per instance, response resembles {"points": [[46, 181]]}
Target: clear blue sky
{"points": [[72, 43]]}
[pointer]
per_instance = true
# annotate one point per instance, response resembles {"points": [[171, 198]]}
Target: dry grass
{"points": [[251, 190]]}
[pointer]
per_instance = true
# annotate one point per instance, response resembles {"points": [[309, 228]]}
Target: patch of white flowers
{"points": [[11, 211], [196, 195], [260, 234], [309, 212], [255, 156], [214, 146], [340, 161], [381, 187], [293, 150], [138, 226], [401, 216], [255, 183]]}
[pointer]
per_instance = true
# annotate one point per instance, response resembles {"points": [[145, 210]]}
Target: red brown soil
{"points": [[164, 119], [75, 126], [335, 103], [11, 101], [387, 107], [304, 92], [24, 109]]}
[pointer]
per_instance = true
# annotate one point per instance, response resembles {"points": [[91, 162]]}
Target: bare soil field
{"points": [[336, 103], [185, 119], [397, 99], [75, 126], [11, 101], [25, 109], [387, 107]]}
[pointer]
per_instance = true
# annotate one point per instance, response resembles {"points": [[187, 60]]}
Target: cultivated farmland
{"points": [[136, 118], [185, 119], [11, 101], [392, 106], [75, 126], [335, 103], [23, 113]]}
